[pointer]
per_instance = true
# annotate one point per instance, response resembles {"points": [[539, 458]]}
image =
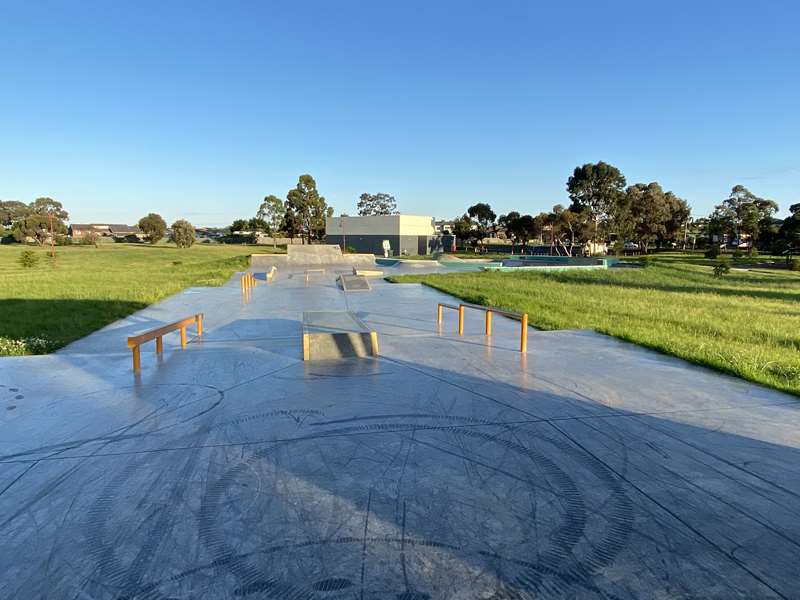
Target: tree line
{"points": [[604, 209], [43, 222], [302, 214]]}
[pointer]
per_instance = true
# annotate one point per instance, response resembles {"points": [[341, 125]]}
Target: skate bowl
{"points": [[312, 254]]}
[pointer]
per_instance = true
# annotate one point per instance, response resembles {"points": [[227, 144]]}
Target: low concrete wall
{"points": [[283, 261]]}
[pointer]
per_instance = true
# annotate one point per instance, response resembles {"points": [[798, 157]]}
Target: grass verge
{"points": [[54, 303], [746, 323]]}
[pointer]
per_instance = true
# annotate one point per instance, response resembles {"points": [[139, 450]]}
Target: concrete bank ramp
{"points": [[354, 283], [311, 254], [331, 335]]}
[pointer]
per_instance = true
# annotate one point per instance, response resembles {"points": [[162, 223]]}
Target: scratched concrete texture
{"points": [[449, 468]]}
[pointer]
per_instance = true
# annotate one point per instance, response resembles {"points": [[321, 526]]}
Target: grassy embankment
{"points": [[746, 323], [47, 306]]}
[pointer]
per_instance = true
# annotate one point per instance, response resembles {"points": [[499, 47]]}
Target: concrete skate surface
{"points": [[447, 468]]}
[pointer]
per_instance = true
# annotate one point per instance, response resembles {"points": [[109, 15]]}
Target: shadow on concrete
{"points": [[395, 479]]}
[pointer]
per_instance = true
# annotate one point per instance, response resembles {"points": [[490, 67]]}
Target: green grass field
{"points": [[746, 323], [51, 305]]}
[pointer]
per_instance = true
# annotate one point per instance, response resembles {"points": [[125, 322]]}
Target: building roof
{"points": [[118, 228]]}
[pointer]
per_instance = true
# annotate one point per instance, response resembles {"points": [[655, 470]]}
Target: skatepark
{"points": [[325, 436]]}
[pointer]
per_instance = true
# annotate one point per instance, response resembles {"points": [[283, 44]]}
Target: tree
{"points": [[788, 237], [240, 225], [257, 224], [649, 211], [678, 222], [744, 213], [596, 188], [182, 233], [510, 223], [273, 212], [153, 227], [53, 211], [12, 211], [291, 224], [39, 228], [376, 204], [464, 229], [484, 216], [308, 208]]}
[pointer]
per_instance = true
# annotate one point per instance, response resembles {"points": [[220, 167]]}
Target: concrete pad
{"points": [[450, 467]]}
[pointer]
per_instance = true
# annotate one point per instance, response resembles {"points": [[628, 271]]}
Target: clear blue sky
{"points": [[198, 110]]}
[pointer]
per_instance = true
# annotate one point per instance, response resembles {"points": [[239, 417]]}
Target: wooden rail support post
{"points": [[439, 315], [183, 336], [137, 360], [523, 334], [488, 322], [461, 319]]}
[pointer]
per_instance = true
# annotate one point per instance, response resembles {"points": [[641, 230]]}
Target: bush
{"points": [[794, 264], [153, 227], [183, 233], [31, 345], [722, 267], [28, 259], [712, 252], [737, 254]]}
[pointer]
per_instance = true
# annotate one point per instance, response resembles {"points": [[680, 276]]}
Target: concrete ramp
{"points": [[331, 335], [354, 283], [312, 255], [315, 254]]}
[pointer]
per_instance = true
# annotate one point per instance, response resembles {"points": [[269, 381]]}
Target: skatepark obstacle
{"points": [[490, 311], [135, 341], [354, 283], [308, 273], [312, 255], [367, 272], [330, 335], [248, 282]]}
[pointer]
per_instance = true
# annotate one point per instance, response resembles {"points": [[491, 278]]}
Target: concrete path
{"points": [[450, 468]]}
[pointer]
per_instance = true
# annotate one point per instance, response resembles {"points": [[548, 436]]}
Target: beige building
{"points": [[404, 234]]}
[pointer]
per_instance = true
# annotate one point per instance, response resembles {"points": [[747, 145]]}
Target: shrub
{"points": [[737, 254], [28, 259], [182, 233], [794, 264], [89, 238], [153, 227], [712, 252], [722, 267], [31, 345]]}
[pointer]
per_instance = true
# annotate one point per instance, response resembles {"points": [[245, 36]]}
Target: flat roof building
{"points": [[405, 234]]}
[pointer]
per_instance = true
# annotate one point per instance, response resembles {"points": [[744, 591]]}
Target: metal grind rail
{"points": [[490, 312]]}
